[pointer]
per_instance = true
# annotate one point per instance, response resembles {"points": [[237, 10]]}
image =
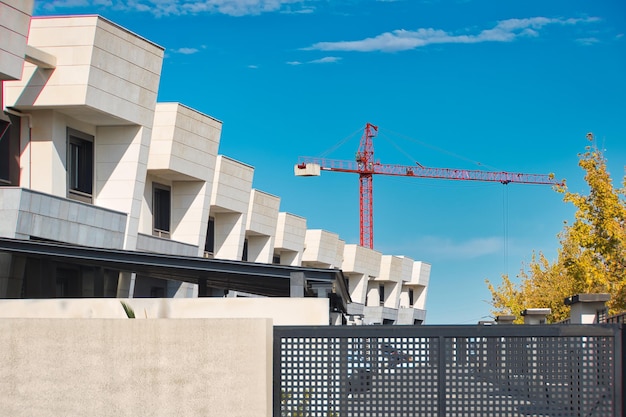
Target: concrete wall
{"points": [[282, 311], [101, 368]]}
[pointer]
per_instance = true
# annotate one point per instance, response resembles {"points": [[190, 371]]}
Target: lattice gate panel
{"points": [[529, 376], [428, 371], [359, 377]]}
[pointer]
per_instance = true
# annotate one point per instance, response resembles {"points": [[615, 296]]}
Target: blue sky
{"points": [[475, 84]]}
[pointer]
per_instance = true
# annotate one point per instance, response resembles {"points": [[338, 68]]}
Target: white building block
{"points": [[232, 185], [184, 143], [261, 226], [262, 213], [230, 197], [360, 264], [14, 24], [323, 249], [104, 75], [289, 241]]}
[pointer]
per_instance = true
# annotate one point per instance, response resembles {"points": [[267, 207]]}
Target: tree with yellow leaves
{"points": [[592, 257]]}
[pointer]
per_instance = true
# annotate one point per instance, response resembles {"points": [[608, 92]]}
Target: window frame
{"points": [[209, 241], [244, 251], [10, 132], [79, 187], [156, 211]]}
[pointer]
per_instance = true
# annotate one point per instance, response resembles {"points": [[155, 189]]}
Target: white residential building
{"points": [[88, 157]]}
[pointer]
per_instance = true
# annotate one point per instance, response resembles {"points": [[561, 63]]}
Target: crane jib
{"points": [[366, 166]]}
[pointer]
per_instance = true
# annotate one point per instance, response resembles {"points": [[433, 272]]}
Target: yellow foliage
{"points": [[592, 257]]}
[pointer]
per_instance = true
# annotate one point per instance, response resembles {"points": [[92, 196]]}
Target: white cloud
{"points": [[325, 60], [302, 10], [182, 7], [185, 51], [253, 66], [402, 40], [439, 248], [54, 4], [587, 41]]}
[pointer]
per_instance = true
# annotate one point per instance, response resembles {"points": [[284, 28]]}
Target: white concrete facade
{"points": [[322, 249], [14, 24], [183, 152], [104, 86], [290, 234], [261, 226], [230, 201], [102, 164]]}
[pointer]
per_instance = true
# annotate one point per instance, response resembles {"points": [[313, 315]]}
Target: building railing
{"points": [[603, 317]]}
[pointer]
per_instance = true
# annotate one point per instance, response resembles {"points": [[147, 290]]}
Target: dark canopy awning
{"points": [[263, 279]]}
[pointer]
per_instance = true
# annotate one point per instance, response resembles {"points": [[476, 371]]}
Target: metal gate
{"points": [[449, 371]]}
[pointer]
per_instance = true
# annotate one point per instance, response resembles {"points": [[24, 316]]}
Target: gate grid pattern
{"points": [[445, 371]]}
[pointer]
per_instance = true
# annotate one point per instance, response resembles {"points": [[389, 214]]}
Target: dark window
{"points": [[161, 210], [381, 293], [68, 283], [5, 156], [276, 259], [80, 165], [209, 243], [411, 297], [244, 255], [10, 151], [157, 292]]}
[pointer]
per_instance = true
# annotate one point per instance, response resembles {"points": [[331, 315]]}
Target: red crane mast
{"points": [[366, 166]]}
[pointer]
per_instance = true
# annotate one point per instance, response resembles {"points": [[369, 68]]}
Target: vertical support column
{"points": [[441, 377], [505, 319], [536, 315], [47, 279], [585, 307], [98, 282], [203, 291], [276, 373], [296, 286], [126, 285], [12, 283]]}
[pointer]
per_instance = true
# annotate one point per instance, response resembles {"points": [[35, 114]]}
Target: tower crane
{"points": [[366, 166]]}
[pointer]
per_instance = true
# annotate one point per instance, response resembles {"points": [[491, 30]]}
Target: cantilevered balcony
{"points": [[230, 198], [289, 242], [104, 75], [323, 249], [359, 265], [184, 144], [14, 26], [261, 226], [28, 214]]}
